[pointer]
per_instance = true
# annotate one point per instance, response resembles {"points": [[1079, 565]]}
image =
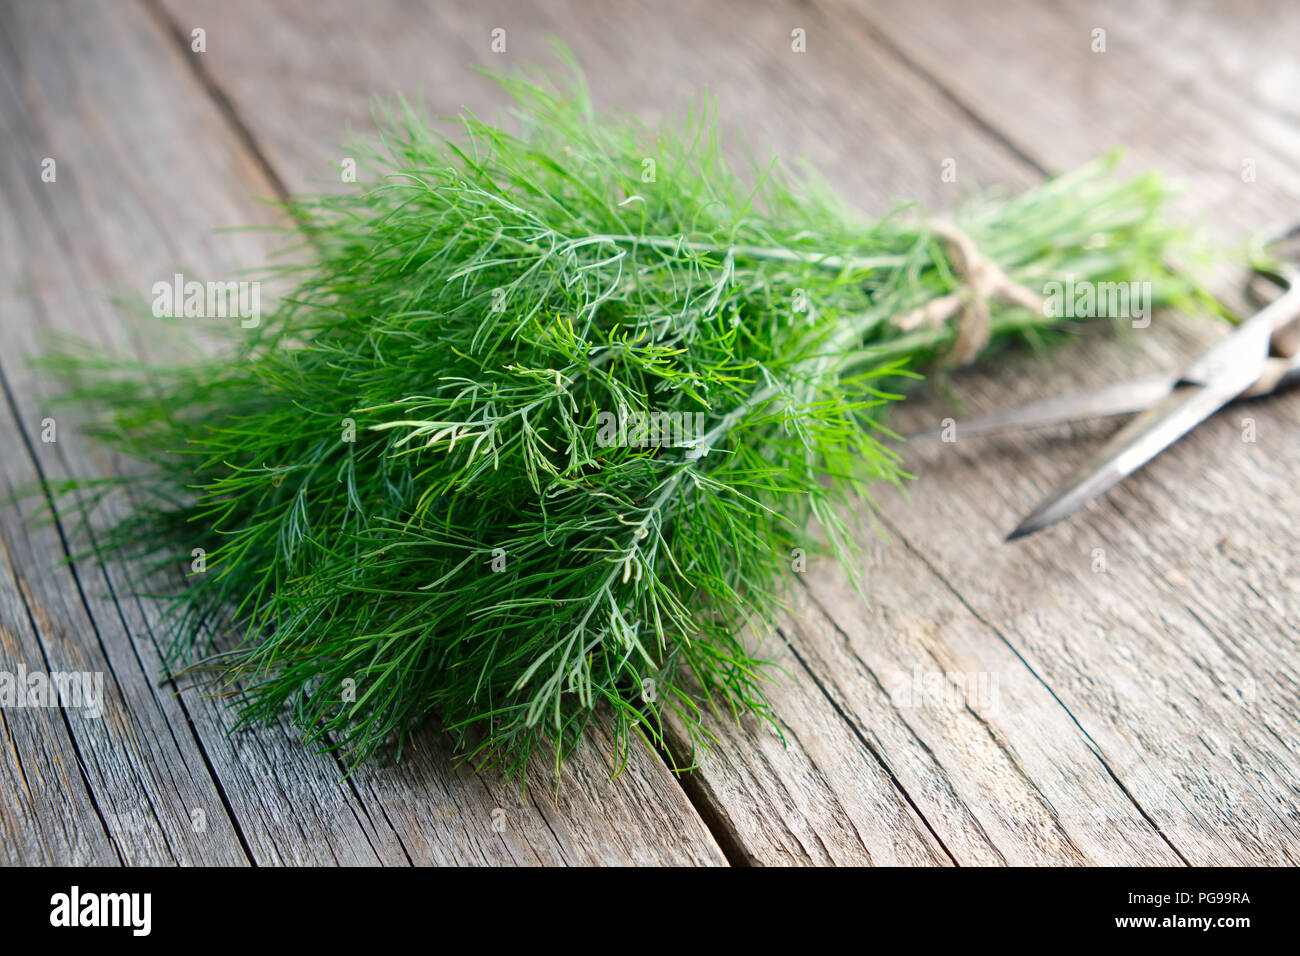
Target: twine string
{"points": [[983, 281]]}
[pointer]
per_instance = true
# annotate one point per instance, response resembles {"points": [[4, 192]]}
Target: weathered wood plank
{"points": [[647, 58], [1030, 774], [69, 245], [48, 814], [1179, 659], [139, 190], [821, 790]]}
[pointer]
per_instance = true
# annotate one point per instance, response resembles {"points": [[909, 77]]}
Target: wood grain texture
{"points": [[634, 56], [1179, 659], [148, 167], [992, 704]]}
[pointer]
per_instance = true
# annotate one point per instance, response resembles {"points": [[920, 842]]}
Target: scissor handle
{"points": [[1282, 367]]}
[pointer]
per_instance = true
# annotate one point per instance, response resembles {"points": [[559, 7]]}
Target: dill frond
{"points": [[482, 309]]}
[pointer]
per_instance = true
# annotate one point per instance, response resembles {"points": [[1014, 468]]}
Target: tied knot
{"points": [[983, 281]]}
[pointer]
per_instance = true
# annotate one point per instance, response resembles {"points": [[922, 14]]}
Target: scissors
{"points": [[1259, 357]]}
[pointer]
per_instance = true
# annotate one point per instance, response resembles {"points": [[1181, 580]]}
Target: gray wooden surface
{"points": [[1142, 713]]}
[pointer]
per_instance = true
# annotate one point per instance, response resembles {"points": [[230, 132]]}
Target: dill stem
{"points": [[836, 263]]}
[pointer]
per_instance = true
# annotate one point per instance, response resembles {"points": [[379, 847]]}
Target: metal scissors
{"points": [[1260, 356]]}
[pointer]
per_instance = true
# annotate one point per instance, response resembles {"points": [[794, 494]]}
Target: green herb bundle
{"points": [[549, 419]]}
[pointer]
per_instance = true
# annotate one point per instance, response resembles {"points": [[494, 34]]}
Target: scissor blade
{"points": [[1124, 398], [1132, 447], [1227, 370]]}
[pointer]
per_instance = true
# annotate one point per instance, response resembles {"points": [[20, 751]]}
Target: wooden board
{"points": [[135, 199], [1179, 660], [993, 704]]}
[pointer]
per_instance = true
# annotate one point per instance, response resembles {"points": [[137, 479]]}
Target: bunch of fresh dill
{"points": [[548, 421]]}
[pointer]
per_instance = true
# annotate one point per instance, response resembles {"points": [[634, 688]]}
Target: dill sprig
{"points": [[410, 481]]}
